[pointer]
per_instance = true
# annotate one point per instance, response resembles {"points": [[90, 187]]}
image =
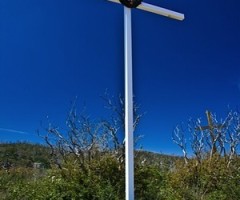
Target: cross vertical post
{"points": [[129, 144], [210, 127], [128, 82]]}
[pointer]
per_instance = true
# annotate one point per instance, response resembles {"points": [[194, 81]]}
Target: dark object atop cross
{"points": [[131, 3]]}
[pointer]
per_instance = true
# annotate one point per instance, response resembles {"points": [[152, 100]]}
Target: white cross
{"points": [[129, 141]]}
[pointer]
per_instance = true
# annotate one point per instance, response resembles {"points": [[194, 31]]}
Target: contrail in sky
{"points": [[13, 131]]}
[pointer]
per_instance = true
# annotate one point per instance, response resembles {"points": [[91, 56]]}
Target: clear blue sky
{"points": [[54, 50]]}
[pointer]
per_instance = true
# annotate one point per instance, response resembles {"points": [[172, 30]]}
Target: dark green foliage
{"points": [[211, 179], [104, 179], [24, 154], [148, 183]]}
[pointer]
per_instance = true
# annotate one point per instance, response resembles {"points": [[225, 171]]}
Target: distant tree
{"points": [[86, 139], [219, 137], [212, 172]]}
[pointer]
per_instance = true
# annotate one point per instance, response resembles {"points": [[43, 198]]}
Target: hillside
{"points": [[23, 155], [156, 159], [26, 154]]}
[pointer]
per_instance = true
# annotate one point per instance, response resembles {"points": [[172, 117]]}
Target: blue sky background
{"points": [[54, 50]]}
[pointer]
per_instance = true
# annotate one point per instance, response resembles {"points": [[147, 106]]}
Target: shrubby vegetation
{"points": [[87, 162], [213, 172], [102, 179], [22, 154]]}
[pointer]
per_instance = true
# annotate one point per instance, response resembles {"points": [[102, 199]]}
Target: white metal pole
{"points": [[129, 144]]}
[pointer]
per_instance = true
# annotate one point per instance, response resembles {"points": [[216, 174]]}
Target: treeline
{"points": [[23, 154]]}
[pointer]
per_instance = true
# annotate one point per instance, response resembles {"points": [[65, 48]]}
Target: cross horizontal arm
{"points": [[218, 126], [158, 10]]}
